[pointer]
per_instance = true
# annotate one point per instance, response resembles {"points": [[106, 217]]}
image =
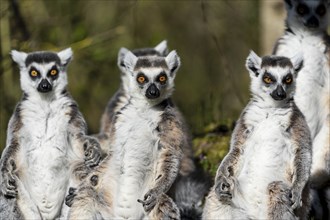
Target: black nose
{"points": [[278, 93], [312, 22], [152, 92], [44, 86]]}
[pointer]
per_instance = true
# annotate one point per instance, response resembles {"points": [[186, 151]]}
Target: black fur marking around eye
{"points": [[30, 73], [288, 76], [302, 9], [269, 75], [42, 57], [321, 10], [276, 61], [55, 76], [162, 74], [142, 75]]}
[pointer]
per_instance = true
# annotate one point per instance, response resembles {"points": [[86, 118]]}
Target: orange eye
{"points": [[53, 72], [141, 79], [34, 73], [268, 80], [162, 78], [288, 80]]}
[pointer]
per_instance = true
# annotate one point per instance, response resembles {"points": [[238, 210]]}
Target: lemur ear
{"points": [[19, 57], [253, 64], [173, 62], [129, 61], [121, 55], [162, 48], [65, 56], [297, 62]]}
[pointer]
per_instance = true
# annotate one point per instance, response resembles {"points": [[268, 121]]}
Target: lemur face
{"points": [[151, 77], [43, 72], [278, 82], [273, 77], [310, 14]]}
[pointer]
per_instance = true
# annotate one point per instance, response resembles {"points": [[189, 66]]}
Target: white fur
{"points": [[269, 147], [19, 57], [45, 148], [134, 156], [65, 56], [313, 92], [161, 47]]}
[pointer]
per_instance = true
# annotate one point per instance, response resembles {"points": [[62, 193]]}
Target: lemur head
{"points": [[43, 72], [273, 78], [150, 77], [308, 15], [160, 50]]}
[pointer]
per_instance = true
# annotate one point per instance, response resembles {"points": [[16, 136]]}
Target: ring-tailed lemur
{"points": [[306, 32], [120, 98], [46, 136], [145, 157], [270, 152]]}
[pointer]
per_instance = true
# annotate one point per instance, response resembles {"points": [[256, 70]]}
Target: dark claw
{"points": [[69, 198]]}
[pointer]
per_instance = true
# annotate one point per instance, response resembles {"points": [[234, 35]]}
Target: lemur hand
{"points": [[93, 152], [9, 180], [223, 188], [296, 199], [150, 200]]}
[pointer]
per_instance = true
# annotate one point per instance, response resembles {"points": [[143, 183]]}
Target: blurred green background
{"points": [[213, 39]]}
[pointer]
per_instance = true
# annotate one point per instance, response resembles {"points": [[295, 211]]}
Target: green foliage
{"points": [[211, 37]]}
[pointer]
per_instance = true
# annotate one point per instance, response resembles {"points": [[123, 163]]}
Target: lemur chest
{"points": [[268, 149], [44, 140], [45, 131], [136, 136]]}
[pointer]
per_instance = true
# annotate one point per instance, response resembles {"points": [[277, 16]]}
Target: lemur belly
{"points": [[46, 169], [267, 158], [134, 159]]}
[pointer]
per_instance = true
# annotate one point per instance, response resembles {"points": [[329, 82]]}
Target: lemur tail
{"points": [[188, 192]]}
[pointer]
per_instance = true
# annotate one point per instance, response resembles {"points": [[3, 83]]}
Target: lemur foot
{"points": [[70, 197], [93, 152], [223, 190], [167, 209], [280, 192]]}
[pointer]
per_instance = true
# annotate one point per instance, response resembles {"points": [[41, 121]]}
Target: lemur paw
{"points": [[167, 209], [70, 197], [295, 199], [280, 192], [150, 200], [223, 187], [9, 181], [93, 152]]}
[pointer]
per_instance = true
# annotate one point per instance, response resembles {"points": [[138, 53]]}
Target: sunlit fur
{"points": [[313, 82], [270, 152], [46, 135], [146, 148]]}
